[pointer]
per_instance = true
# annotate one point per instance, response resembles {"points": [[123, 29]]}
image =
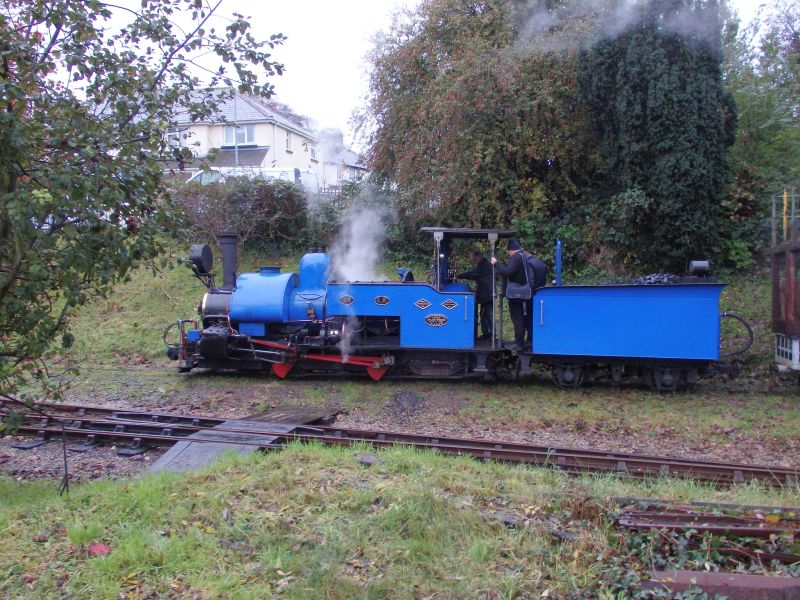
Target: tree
{"points": [[473, 114], [663, 123], [87, 94], [762, 71]]}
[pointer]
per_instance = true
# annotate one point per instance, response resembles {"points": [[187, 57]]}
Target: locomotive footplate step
{"points": [[204, 447]]}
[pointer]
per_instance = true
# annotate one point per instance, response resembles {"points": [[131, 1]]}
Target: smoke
{"points": [[585, 22], [356, 251], [331, 142], [350, 328]]}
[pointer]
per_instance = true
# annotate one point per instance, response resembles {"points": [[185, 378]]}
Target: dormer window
{"points": [[244, 135]]}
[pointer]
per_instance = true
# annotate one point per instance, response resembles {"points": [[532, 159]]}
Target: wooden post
{"points": [[792, 297], [774, 223], [785, 214]]}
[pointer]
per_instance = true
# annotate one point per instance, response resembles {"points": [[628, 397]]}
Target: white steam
{"points": [[356, 252], [547, 27]]}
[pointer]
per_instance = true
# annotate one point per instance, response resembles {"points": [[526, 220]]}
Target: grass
{"points": [[127, 327], [312, 522]]}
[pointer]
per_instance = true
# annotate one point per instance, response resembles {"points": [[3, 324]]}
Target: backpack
{"points": [[537, 271]]}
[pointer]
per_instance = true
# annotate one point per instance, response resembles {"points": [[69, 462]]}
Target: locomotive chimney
{"points": [[227, 245]]}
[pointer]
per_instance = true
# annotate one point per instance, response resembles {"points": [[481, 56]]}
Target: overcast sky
{"points": [[326, 76]]}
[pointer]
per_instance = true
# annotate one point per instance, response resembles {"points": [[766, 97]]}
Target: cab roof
{"points": [[456, 232]]}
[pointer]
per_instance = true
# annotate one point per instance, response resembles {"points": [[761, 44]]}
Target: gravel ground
{"points": [[436, 417], [434, 412], [48, 461]]}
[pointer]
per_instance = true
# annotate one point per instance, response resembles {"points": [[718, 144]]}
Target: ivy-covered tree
{"points": [[663, 123], [87, 93]]}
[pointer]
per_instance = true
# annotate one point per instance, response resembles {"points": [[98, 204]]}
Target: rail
{"points": [[159, 429]]}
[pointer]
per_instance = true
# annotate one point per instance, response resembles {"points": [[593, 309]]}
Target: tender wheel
{"points": [[568, 376], [664, 380]]}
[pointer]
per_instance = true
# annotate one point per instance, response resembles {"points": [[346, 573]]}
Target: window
{"points": [[288, 141], [313, 153], [245, 134], [176, 139]]}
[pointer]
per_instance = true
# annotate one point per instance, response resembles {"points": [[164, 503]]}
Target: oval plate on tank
{"points": [[381, 300], [346, 299], [436, 320]]}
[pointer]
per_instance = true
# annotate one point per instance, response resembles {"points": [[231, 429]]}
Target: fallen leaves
{"points": [[98, 549]]}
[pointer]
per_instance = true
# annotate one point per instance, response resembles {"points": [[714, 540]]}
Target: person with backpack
{"points": [[518, 291], [537, 271]]}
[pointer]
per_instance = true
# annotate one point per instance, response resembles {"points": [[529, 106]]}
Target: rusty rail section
{"points": [[736, 540], [142, 429], [719, 524]]}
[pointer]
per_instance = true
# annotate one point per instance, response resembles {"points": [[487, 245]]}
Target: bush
{"points": [[264, 213]]}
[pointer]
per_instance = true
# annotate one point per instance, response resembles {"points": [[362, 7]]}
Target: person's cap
{"points": [[513, 245]]}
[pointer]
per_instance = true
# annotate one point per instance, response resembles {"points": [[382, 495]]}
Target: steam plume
{"points": [[603, 19], [356, 252]]}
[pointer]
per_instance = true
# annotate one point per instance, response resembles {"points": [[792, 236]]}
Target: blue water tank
{"points": [[676, 322]]}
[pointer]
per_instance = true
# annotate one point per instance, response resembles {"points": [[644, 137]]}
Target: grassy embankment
{"points": [[312, 522]]}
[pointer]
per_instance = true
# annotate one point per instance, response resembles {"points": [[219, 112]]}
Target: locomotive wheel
{"points": [[509, 367], [568, 376]]}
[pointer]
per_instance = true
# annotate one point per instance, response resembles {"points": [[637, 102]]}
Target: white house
{"points": [[249, 132]]}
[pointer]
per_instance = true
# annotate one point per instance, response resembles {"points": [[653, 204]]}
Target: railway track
{"points": [[95, 425]]}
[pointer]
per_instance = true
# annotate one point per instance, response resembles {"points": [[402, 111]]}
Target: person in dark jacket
{"points": [[482, 276], [519, 310]]}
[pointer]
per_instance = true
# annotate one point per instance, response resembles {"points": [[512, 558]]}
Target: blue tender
{"points": [[624, 321]]}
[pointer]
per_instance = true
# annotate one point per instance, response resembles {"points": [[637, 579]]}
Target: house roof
{"points": [[247, 109], [346, 157]]}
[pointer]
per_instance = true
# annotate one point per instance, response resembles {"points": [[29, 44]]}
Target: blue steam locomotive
{"points": [[306, 323]]}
